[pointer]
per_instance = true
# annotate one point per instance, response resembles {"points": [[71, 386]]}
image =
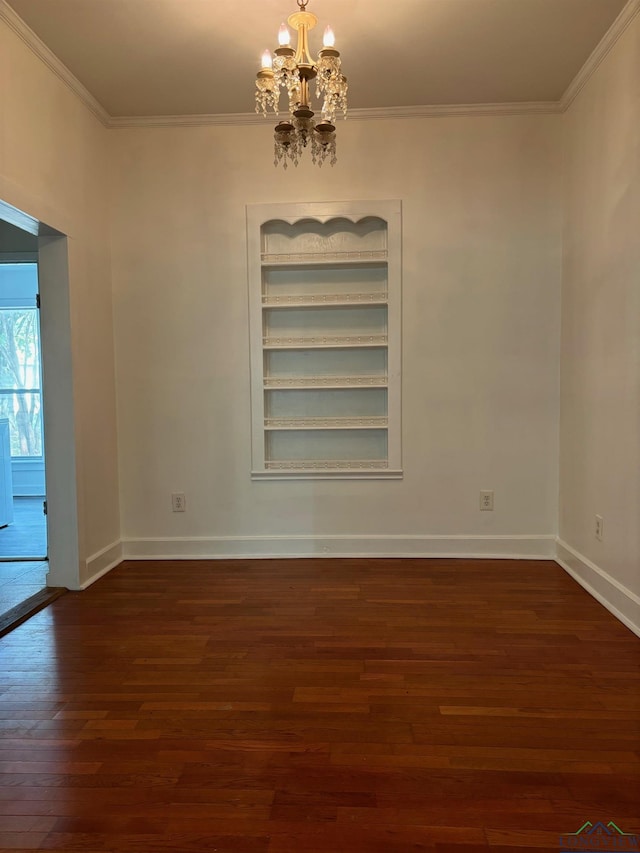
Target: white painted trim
{"points": [[220, 119], [620, 601], [37, 46], [63, 483], [368, 114], [378, 474], [253, 547], [28, 474], [601, 50], [101, 563], [516, 108]]}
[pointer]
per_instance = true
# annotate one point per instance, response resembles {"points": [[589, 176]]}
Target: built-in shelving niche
{"points": [[324, 287]]}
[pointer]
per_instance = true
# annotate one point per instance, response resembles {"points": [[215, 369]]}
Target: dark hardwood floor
{"points": [[328, 706]]}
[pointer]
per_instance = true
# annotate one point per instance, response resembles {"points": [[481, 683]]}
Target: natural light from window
{"points": [[20, 383]]}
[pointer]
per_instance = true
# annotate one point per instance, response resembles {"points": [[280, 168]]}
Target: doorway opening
{"points": [[37, 422], [23, 529]]}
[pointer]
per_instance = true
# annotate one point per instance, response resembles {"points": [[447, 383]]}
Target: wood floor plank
{"points": [[299, 706]]}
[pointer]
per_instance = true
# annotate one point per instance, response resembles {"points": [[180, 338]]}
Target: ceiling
{"points": [[194, 57]]}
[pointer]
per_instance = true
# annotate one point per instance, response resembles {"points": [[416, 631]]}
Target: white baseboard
{"points": [[252, 547], [100, 563], [620, 601]]}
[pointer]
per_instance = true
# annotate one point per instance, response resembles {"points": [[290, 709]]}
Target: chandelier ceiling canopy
{"points": [[293, 70]]}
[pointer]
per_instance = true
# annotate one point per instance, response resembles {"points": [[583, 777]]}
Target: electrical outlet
{"points": [[599, 527], [486, 501], [178, 502]]}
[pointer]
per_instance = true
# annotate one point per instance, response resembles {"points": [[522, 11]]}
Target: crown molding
{"points": [[37, 46], [427, 111], [601, 50], [447, 110], [222, 119], [40, 49]]}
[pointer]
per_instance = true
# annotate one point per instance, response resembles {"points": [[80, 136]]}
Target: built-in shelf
{"points": [[320, 341], [339, 368], [324, 300], [326, 423], [328, 382], [323, 258], [332, 465]]}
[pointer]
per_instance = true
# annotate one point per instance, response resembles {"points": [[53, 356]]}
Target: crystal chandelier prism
{"points": [[293, 70]]}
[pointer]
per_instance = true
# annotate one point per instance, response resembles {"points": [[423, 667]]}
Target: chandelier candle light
{"points": [[293, 70]]}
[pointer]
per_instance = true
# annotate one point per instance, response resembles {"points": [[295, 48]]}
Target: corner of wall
{"points": [[618, 600], [100, 564]]}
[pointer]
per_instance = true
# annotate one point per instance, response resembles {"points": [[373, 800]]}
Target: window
{"points": [[20, 386]]}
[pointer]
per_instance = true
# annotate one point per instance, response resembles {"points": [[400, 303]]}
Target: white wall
{"points": [[53, 166], [600, 422], [483, 235], [482, 262]]}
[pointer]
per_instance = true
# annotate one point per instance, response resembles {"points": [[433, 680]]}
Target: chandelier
{"points": [[293, 70]]}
